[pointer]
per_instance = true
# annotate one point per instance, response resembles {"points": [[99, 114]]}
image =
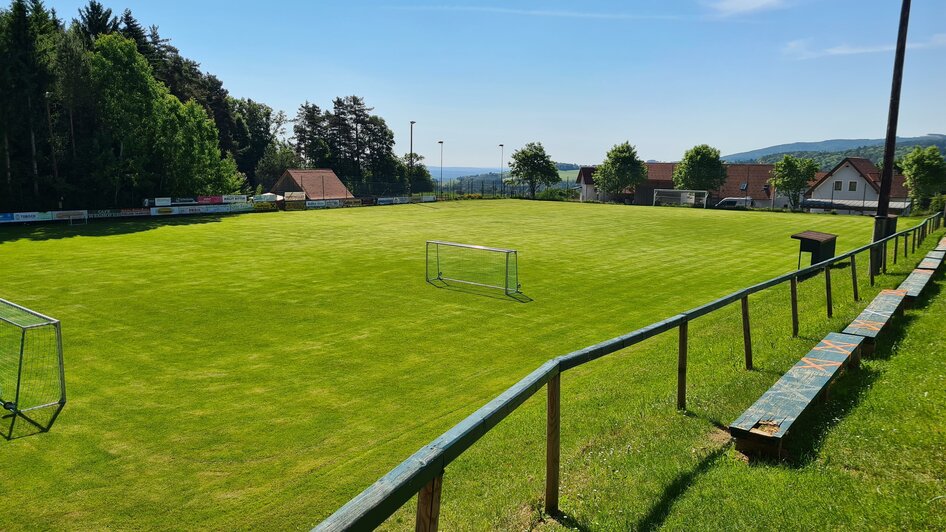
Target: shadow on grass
{"points": [[661, 509], [481, 291], [101, 227]]}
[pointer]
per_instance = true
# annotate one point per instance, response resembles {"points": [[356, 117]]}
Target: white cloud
{"points": [[737, 7], [538, 12], [803, 49]]}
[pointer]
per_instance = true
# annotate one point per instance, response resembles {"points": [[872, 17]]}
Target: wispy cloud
{"points": [[803, 49], [727, 8], [537, 12]]}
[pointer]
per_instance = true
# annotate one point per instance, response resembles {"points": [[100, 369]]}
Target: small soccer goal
{"points": [[450, 262], [32, 381], [672, 196]]}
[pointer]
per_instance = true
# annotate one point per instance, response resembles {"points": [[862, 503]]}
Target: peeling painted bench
{"points": [[932, 261], [763, 426], [876, 316], [916, 282], [941, 246]]}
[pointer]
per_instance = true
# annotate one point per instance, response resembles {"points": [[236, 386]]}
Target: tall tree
{"points": [[532, 166], [130, 28], [790, 177], [277, 158], [309, 136], [94, 20], [621, 169], [416, 173], [700, 169], [925, 170]]}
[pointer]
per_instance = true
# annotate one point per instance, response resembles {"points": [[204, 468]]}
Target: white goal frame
{"points": [[683, 195], [510, 264]]}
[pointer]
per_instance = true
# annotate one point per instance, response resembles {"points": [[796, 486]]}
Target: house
{"points": [[317, 184], [853, 186], [586, 180], [658, 176]]}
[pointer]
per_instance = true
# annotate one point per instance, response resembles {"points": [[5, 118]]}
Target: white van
{"points": [[729, 203]]}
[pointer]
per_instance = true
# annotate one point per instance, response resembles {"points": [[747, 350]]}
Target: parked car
{"points": [[731, 203]]}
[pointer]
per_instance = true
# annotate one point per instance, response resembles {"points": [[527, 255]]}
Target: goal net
{"points": [[672, 196], [450, 262], [32, 387]]}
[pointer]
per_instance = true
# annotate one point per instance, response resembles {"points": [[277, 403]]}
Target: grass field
{"points": [[257, 371]]}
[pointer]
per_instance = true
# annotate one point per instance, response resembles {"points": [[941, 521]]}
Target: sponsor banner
{"points": [[215, 209], [323, 204], [234, 198], [209, 200], [264, 206], [352, 202], [136, 212], [32, 216], [428, 199], [162, 202], [164, 211], [294, 196], [386, 201], [68, 215], [6, 217], [241, 207], [190, 209], [295, 205], [148, 202], [109, 213], [269, 197], [184, 201], [402, 200], [369, 201]]}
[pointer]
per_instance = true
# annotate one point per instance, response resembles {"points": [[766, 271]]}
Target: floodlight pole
{"points": [[881, 220], [502, 157], [410, 161], [441, 166]]}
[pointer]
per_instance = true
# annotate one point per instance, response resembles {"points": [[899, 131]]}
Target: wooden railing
{"points": [[422, 473]]}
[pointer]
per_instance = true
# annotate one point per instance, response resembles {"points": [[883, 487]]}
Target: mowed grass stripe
{"points": [[259, 370]]}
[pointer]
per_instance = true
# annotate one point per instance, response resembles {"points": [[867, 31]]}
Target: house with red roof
{"points": [[853, 187], [317, 184]]}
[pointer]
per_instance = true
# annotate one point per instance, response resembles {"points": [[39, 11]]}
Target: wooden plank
{"points": [[553, 444], [428, 506], [771, 417], [746, 332], [682, 368], [875, 317], [938, 255], [916, 282], [930, 264]]}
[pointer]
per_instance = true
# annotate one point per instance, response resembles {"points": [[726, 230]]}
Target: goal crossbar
{"points": [[470, 246], [471, 264]]}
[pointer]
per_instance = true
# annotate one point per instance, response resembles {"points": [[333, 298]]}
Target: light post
{"points": [[502, 158], [441, 167], [410, 161]]}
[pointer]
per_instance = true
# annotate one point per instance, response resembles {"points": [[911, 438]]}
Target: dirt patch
{"points": [[719, 437], [766, 427]]}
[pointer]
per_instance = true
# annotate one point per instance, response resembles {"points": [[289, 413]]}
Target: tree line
{"points": [[102, 112]]}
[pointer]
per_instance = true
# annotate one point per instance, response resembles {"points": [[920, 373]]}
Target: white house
{"points": [[853, 186], [586, 180]]}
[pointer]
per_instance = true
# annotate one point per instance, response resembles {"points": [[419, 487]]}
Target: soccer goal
{"points": [[672, 196], [32, 381], [474, 265]]}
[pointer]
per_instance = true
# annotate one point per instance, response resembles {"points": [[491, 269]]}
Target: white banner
{"points": [[234, 198], [162, 202]]}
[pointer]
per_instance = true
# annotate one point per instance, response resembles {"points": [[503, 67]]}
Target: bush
{"points": [[937, 203], [557, 194]]}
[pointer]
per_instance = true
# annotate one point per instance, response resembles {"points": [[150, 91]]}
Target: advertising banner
{"points": [[234, 198], [241, 207], [264, 206], [428, 199], [136, 212], [162, 202], [164, 211], [209, 200], [32, 216], [107, 213], [190, 209], [295, 205], [6, 217], [184, 201], [68, 215], [386, 201], [215, 209], [352, 202]]}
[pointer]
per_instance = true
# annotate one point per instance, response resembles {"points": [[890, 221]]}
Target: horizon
{"points": [[579, 81]]}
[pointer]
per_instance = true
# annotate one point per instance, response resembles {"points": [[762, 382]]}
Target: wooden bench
{"points": [[876, 316], [941, 246], [916, 282], [762, 427], [932, 260]]}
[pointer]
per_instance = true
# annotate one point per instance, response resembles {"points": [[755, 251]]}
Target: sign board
{"points": [[428, 199], [264, 206], [162, 202], [32, 216], [295, 205], [234, 198], [184, 201], [209, 200], [6, 217], [269, 197], [69, 215], [294, 196], [163, 211], [323, 204], [241, 207]]}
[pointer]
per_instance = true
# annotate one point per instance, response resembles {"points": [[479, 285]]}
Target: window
{"points": [[838, 185], [852, 186]]}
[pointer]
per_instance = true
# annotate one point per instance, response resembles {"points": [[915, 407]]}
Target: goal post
{"points": [[673, 196], [452, 262]]}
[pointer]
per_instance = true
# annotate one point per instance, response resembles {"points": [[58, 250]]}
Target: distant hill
{"points": [[828, 160], [831, 146]]}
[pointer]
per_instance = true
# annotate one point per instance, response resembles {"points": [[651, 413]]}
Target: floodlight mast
{"points": [[882, 226]]}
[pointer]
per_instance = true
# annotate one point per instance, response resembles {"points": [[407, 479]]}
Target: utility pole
{"points": [[441, 166], [410, 161], [882, 225]]}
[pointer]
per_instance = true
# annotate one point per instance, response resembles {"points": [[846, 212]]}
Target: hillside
{"points": [[827, 160], [831, 146]]}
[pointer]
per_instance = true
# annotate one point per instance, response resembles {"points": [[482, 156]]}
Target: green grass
{"points": [[257, 371]]}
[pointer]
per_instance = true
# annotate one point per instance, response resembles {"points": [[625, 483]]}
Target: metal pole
{"points": [[410, 161], [794, 283], [553, 445], [682, 368], [893, 114], [502, 157], [854, 276], [746, 332], [441, 166]]}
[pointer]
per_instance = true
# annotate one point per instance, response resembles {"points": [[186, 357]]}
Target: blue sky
{"points": [[577, 76]]}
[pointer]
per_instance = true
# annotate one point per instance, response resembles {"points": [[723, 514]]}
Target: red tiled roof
{"points": [[869, 172], [316, 183], [660, 171], [754, 176]]}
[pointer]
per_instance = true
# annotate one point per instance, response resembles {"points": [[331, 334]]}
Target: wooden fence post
{"points": [[854, 276], [871, 257], [553, 444], [827, 288], [906, 240], [896, 249], [883, 264], [682, 369], [746, 332], [794, 284], [428, 505]]}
